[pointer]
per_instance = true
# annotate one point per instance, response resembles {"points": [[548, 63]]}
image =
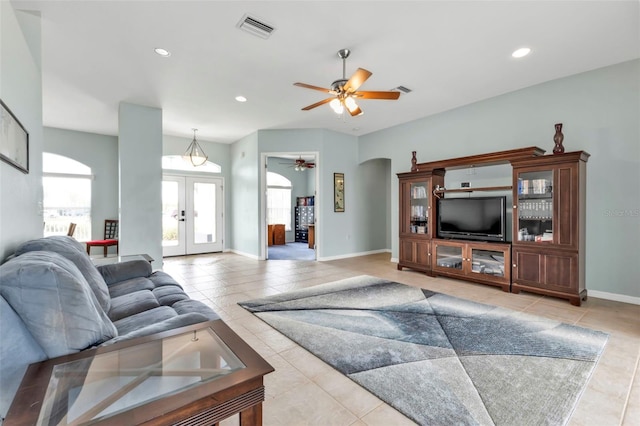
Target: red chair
{"points": [[110, 237]]}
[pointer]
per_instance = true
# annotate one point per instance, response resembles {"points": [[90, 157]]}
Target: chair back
{"points": [[72, 229], [110, 229]]}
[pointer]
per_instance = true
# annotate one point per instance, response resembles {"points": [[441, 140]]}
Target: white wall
{"points": [[600, 111], [100, 152], [21, 90]]}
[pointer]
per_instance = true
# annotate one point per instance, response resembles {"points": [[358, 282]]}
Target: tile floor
{"points": [[305, 391]]}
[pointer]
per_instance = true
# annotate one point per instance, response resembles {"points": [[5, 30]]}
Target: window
{"points": [[176, 162], [278, 200], [67, 196]]}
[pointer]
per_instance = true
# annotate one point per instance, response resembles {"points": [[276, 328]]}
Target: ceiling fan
{"points": [[300, 164], [345, 92]]}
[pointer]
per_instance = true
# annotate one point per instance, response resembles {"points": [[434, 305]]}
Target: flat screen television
{"points": [[481, 218]]}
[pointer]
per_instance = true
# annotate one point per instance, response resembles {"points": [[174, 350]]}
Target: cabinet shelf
{"points": [[545, 196], [486, 188]]}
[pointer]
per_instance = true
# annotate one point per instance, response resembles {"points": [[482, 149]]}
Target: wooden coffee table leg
{"points": [[252, 416]]}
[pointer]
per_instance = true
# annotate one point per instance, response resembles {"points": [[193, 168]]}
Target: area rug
{"points": [[438, 359], [291, 251]]}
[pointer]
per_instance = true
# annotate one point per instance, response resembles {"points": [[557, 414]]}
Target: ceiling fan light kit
{"points": [[300, 165], [345, 91]]}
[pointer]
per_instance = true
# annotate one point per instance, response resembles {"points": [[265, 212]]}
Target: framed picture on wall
{"points": [[338, 192], [14, 140]]}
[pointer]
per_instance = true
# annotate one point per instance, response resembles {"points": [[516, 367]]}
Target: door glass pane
{"points": [[170, 213], [204, 212]]}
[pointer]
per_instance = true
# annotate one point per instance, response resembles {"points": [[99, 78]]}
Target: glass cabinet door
{"points": [[535, 206], [489, 262], [419, 208], [449, 256]]}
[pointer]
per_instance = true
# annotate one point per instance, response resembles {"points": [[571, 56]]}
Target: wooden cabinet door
{"points": [[527, 267], [551, 270], [566, 206], [415, 254]]}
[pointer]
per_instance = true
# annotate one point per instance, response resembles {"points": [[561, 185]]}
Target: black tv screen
{"points": [[481, 218]]}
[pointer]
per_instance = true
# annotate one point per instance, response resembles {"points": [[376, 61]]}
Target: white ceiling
{"points": [[96, 54]]}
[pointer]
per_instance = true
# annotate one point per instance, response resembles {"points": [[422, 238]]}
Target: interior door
{"points": [[192, 215]]}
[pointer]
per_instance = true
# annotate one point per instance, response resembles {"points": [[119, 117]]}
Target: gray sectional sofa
{"points": [[54, 301]]}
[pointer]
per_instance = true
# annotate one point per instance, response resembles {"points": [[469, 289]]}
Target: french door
{"points": [[192, 215]]}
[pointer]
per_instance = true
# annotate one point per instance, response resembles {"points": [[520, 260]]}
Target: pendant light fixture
{"points": [[194, 153]]}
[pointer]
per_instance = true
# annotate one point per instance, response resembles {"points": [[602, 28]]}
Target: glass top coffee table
{"points": [[196, 375]]}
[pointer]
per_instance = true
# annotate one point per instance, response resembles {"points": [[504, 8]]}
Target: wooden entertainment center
{"points": [[546, 254]]}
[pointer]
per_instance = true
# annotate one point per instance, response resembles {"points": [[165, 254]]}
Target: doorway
{"points": [[192, 215], [291, 224]]}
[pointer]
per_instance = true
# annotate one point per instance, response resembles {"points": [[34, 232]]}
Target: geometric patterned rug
{"points": [[438, 359]]}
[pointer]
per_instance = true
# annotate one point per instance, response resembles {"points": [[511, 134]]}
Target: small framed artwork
{"points": [[14, 140], [338, 192]]}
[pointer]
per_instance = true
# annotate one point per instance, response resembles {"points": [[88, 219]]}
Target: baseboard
{"points": [[241, 253], [614, 296], [349, 255], [394, 260]]}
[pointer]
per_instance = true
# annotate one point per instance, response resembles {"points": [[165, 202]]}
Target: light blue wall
{"points": [[140, 160], [600, 110], [100, 152], [245, 209], [371, 202], [21, 90]]}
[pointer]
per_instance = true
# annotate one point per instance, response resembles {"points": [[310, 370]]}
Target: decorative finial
{"points": [[414, 162]]}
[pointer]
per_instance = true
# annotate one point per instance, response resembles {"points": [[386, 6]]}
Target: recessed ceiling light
{"points": [[521, 53], [241, 98], [162, 52]]}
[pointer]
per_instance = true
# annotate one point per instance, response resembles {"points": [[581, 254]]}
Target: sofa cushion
{"points": [[167, 295], [117, 272], [129, 324], [161, 278], [131, 304], [73, 251], [17, 351], [190, 306], [54, 301], [130, 286], [158, 327]]}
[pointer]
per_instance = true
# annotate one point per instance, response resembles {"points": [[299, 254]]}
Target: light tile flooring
{"points": [[305, 391]]}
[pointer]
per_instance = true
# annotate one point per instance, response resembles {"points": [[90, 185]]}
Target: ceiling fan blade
{"points": [[309, 86], [317, 104], [377, 95], [355, 111], [360, 76]]}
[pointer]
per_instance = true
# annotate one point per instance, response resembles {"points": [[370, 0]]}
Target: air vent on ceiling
{"points": [[402, 89], [256, 27]]}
